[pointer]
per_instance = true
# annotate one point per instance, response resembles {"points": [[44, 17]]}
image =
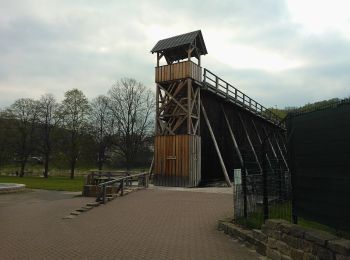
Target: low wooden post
{"points": [[104, 194], [228, 182]]}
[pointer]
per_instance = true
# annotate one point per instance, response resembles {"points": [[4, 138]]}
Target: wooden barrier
{"points": [[177, 160]]}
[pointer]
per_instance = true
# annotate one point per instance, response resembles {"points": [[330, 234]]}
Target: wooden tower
{"points": [[177, 144]]}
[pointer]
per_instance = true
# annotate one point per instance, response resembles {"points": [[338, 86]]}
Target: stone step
{"points": [[75, 213], [69, 217], [87, 207], [82, 209], [93, 204]]}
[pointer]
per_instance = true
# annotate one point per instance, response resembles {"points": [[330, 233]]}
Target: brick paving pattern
{"points": [[147, 224]]}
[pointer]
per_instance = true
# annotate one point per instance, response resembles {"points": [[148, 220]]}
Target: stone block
{"points": [[289, 240], [319, 237], [233, 230], [283, 248], [259, 235], [260, 248], [323, 253], [285, 257], [271, 232], [273, 254], [341, 257], [249, 245], [220, 226], [276, 235], [275, 223], [308, 256], [286, 227], [297, 254], [297, 231], [264, 229], [297, 243], [272, 243], [340, 246]]}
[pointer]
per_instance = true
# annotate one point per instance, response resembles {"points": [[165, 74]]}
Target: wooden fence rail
{"points": [[120, 183], [226, 90]]}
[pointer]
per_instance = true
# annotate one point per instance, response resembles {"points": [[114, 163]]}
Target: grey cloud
{"points": [[57, 45]]}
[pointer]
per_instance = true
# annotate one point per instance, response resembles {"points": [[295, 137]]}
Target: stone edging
{"points": [[11, 187], [279, 239]]}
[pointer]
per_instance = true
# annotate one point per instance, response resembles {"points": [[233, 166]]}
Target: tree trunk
{"points": [[23, 165], [72, 168], [46, 166], [100, 164], [101, 157]]}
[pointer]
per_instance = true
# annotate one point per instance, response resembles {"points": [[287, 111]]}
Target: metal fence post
{"points": [[104, 194], [265, 188], [244, 186]]}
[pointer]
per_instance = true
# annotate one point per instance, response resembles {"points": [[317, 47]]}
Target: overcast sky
{"points": [[284, 53]]}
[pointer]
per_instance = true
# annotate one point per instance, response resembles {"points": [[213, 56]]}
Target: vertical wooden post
{"points": [[228, 182], [157, 108], [227, 90], [189, 111]]}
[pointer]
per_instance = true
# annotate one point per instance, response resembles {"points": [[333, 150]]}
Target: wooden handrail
{"points": [[123, 181], [226, 90]]}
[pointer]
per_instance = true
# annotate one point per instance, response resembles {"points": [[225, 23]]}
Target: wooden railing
{"points": [[226, 90], [120, 184], [180, 70]]}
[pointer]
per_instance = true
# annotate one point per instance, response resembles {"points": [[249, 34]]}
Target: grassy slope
{"points": [[52, 183]]}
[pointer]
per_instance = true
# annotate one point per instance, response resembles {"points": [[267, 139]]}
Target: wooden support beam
{"points": [[157, 108], [261, 143], [228, 182], [250, 142], [150, 171], [233, 139], [189, 111], [172, 98], [268, 139], [279, 148]]}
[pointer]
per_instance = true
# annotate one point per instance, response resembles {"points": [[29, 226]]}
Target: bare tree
{"points": [[102, 126], [132, 105], [75, 109], [25, 113], [48, 119], [8, 136]]}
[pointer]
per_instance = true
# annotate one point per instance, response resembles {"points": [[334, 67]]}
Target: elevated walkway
{"points": [[225, 90]]}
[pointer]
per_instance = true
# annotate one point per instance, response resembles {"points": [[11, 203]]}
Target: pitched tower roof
{"points": [[175, 48]]}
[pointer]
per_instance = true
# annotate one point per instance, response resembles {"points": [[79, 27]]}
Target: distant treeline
{"points": [[114, 129], [282, 113]]}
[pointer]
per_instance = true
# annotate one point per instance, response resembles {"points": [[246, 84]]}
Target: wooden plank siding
{"points": [[181, 70], [177, 160]]}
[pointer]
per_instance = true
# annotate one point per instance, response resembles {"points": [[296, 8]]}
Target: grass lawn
{"points": [[51, 183]]}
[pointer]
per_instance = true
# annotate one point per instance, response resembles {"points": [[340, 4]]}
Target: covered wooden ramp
{"points": [[205, 127]]}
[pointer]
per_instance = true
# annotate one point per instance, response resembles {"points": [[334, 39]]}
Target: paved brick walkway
{"points": [[148, 224]]}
